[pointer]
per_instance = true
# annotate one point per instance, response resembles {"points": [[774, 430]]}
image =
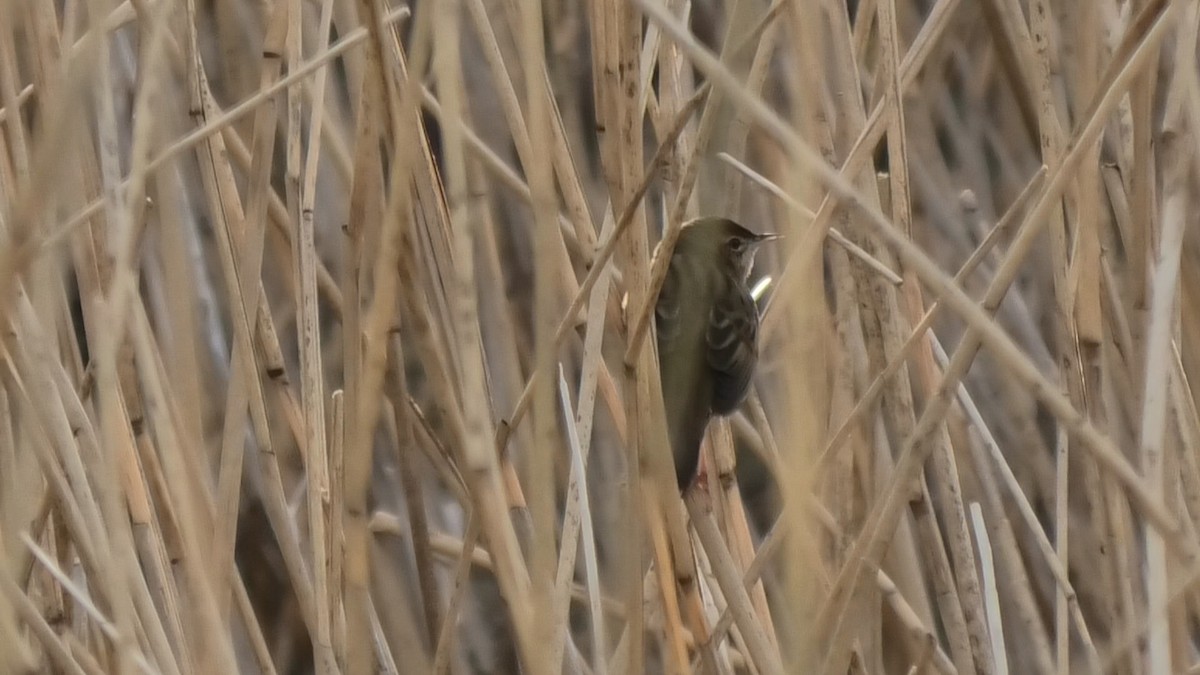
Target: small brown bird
{"points": [[707, 326]]}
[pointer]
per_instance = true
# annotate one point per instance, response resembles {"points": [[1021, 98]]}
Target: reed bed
{"points": [[327, 340]]}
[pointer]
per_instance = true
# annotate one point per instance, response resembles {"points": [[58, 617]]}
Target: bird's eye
{"points": [[737, 245]]}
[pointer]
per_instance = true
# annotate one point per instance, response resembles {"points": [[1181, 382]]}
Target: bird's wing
{"points": [[732, 349]]}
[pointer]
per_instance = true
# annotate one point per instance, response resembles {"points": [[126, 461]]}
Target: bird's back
{"points": [[682, 326]]}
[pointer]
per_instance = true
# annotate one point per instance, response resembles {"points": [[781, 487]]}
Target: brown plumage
{"points": [[707, 326]]}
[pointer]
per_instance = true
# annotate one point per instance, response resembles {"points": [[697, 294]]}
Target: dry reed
{"points": [[327, 341]]}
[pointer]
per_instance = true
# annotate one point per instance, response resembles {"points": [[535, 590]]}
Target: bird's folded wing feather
{"points": [[732, 349]]}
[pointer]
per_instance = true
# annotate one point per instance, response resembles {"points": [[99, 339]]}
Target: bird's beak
{"points": [[768, 236]]}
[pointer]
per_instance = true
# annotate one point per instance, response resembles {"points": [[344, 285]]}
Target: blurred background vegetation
{"points": [[324, 342]]}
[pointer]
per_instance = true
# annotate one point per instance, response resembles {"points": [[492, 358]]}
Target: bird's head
{"points": [[723, 239]]}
